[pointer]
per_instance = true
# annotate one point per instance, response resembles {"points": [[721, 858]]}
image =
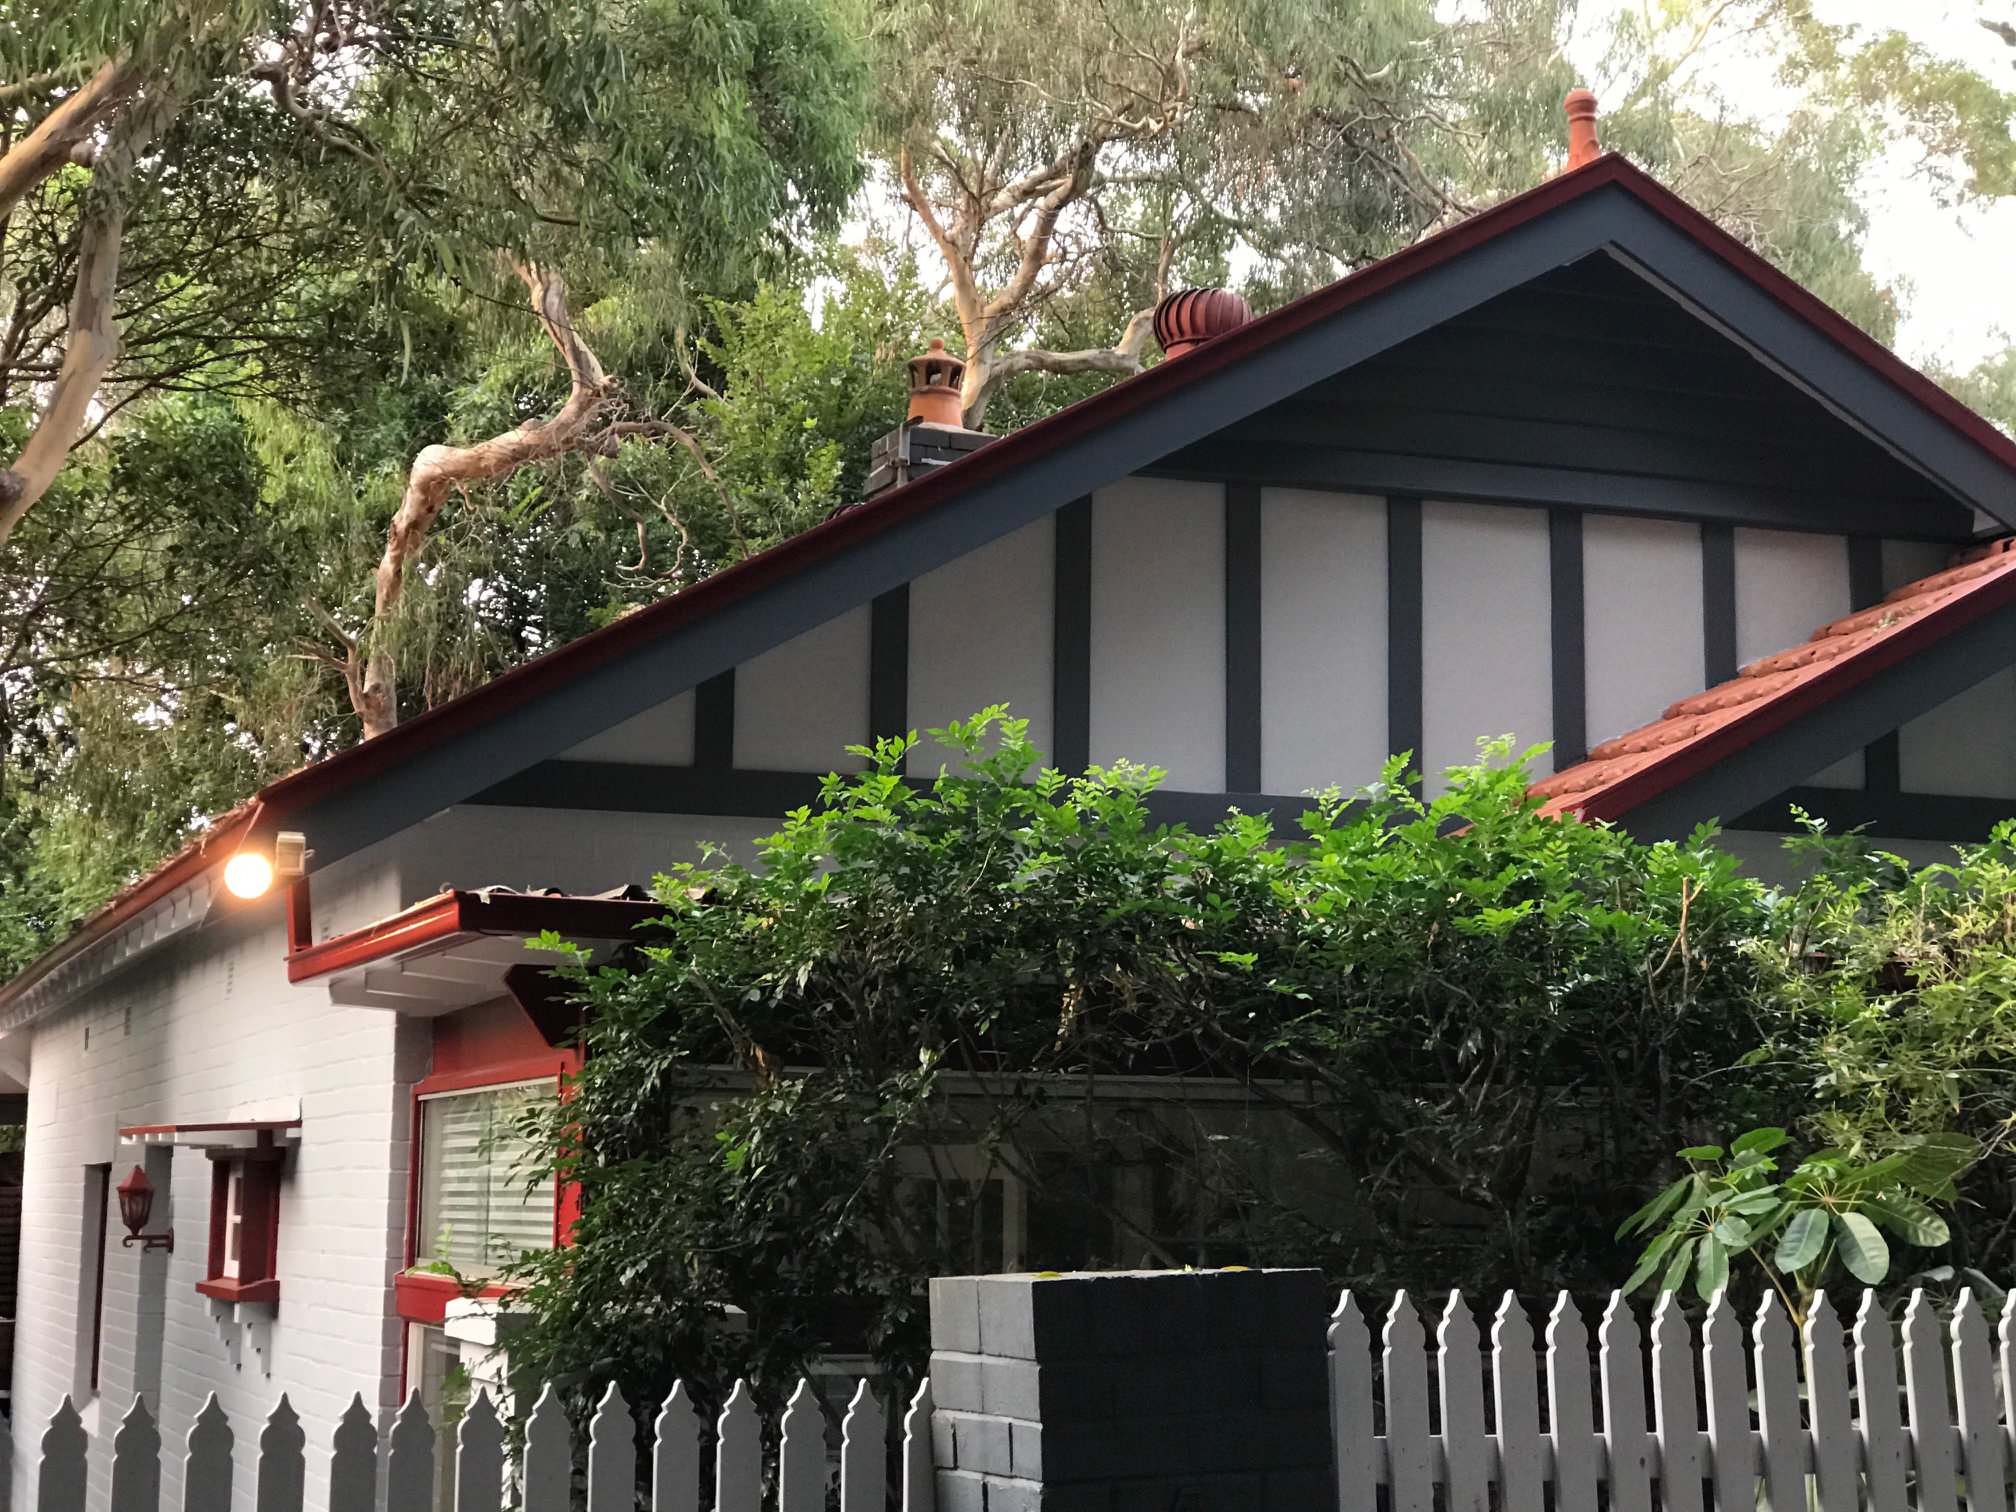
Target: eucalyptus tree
{"points": [[361, 145]]}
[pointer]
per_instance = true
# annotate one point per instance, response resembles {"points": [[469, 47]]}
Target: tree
{"points": [[1044, 144], [376, 141]]}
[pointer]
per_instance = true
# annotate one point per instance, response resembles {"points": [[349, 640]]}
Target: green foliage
{"points": [[1418, 1042], [1824, 1219], [1892, 988]]}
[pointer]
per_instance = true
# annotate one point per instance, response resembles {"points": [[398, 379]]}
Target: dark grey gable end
{"points": [[1606, 220]]}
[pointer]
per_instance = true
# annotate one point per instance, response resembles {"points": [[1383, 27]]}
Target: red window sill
{"points": [[226, 1290], [423, 1297]]}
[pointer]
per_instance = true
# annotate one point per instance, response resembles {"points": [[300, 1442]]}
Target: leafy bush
{"points": [[1005, 1015], [1826, 1218]]}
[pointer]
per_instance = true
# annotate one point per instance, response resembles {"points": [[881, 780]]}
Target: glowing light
{"points": [[248, 874]]}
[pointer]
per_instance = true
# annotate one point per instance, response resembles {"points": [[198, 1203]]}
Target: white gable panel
{"points": [[1486, 633], [1158, 629], [1641, 606], [1322, 640], [1788, 584], [982, 629], [1965, 748], [661, 736], [798, 706]]}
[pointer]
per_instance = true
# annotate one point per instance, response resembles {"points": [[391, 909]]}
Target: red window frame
{"points": [[424, 1298], [259, 1223]]}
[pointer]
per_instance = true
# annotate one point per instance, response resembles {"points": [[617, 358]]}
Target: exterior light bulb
{"points": [[248, 874]]}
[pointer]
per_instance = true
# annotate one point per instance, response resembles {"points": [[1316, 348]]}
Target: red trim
{"points": [[928, 491], [300, 917], [452, 913], [134, 1131], [220, 1208], [240, 1291], [552, 1066], [423, 1297], [414, 1295], [259, 1224]]}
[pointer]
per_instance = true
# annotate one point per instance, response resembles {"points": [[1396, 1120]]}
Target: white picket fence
{"points": [[487, 1480], [1834, 1438], [1815, 1420]]}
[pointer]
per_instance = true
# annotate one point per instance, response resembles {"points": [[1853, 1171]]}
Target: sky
{"points": [[1961, 304]]}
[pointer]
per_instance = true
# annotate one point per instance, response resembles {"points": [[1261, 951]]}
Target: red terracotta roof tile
{"points": [[1768, 693]]}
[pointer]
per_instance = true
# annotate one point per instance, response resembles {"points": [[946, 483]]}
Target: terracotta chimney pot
{"points": [[1583, 147], [1191, 317], [935, 378]]}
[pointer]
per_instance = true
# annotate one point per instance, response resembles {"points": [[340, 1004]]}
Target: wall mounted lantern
{"points": [[136, 1206]]}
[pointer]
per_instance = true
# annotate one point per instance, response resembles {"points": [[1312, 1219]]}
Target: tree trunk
{"points": [[92, 343], [371, 670]]}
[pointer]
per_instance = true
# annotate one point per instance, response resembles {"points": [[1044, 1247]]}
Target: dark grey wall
{"points": [[1585, 387]]}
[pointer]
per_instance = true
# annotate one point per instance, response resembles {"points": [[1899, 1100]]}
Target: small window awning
{"points": [[453, 950], [240, 1134]]}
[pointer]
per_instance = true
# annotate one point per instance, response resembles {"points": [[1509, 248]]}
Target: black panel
{"points": [[1403, 627], [1071, 686], [889, 664], [714, 722], [1570, 658], [1242, 639], [1718, 603]]}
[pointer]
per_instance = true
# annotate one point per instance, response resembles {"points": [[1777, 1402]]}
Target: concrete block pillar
{"points": [[1136, 1391]]}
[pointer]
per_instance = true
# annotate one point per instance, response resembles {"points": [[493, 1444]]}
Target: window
{"points": [[244, 1224], [477, 1211]]}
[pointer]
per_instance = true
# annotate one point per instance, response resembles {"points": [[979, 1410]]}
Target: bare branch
{"points": [[49, 145], [441, 468]]}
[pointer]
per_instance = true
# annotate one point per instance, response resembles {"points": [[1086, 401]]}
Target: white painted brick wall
{"points": [[191, 1034], [198, 1030]]}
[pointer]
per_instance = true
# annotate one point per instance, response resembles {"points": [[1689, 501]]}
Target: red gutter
{"points": [[216, 844], [469, 913], [528, 680]]}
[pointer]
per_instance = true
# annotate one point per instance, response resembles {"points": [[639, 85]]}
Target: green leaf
{"points": [[1649, 1261], [1760, 1141], [1863, 1249], [1654, 1210], [1761, 1200], [1733, 1233], [1931, 1161], [1711, 1268], [1702, 1152], [1676, 1268], [1804, 1237], [1909, 1219]]}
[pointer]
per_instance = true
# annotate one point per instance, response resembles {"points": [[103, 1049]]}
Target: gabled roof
{"points": [[1772, 693], [1605, 205]]}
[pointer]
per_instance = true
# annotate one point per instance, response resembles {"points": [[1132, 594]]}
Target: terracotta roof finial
{"points": [[935, 378], [1582, 144]]}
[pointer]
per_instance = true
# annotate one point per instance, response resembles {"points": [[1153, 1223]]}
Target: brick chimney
{"points": [[931, 434]]}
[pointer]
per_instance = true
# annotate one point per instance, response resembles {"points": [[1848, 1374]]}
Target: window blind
{"points": [[475, 1211]]}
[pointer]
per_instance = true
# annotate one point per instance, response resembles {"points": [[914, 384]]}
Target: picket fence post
{"points": [[1819, 1415], [1788, 1422]]}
